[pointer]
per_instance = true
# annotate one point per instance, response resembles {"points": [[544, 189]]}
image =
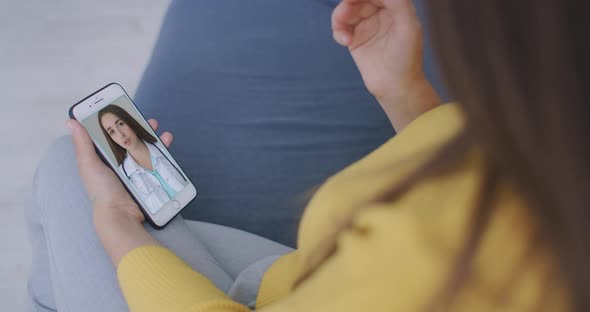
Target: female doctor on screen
{"points": [[139, 155]]}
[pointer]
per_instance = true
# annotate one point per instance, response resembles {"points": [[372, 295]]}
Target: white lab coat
{"points": [[146, 186]]}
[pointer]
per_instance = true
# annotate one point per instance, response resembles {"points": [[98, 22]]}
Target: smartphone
{"points": [[130, 147]]}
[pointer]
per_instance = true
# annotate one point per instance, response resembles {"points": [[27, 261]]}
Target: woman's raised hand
{"points": [[385, 40]]}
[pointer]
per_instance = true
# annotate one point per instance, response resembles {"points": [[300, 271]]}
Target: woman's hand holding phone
{"points": [[117, 218], [385, 40]]}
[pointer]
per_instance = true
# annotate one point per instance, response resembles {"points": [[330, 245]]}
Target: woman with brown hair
{"points": [[153, 176], [481, 205]]}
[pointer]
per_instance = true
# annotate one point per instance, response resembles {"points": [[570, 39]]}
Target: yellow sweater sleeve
{"points": [[278, 279], [152, 278], [379, 266]]}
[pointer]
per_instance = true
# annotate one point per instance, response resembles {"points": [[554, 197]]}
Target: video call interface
{"points": [[149, 170]]}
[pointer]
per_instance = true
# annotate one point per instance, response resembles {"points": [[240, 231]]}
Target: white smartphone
{"points": [[126, 143]]}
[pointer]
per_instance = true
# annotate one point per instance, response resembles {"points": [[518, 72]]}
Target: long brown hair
{"points": [[122, 114], [519, 70]]}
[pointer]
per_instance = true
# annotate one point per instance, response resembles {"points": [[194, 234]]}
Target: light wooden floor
{"points": [[53, 53]]}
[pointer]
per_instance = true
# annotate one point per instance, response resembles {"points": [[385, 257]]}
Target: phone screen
{"points": [[135, 152]]}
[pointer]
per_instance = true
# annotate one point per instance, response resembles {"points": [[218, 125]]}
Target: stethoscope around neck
{"points": [[168, 159]]}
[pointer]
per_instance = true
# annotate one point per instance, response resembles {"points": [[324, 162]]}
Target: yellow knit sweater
{"points": [[395, 257]]}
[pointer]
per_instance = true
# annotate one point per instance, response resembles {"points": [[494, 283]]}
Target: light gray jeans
{"points": [[71, 271]]}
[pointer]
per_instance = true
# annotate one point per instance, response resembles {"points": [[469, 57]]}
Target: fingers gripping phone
{"points": [[126, 143]]}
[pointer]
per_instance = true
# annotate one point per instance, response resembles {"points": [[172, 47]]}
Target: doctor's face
{"points": [[118, 130]]}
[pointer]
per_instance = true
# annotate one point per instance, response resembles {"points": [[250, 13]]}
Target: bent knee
{"points": [[59, 155], [57, 165]]}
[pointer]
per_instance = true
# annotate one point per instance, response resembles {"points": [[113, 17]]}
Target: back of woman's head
{"points": [[520, 71]]}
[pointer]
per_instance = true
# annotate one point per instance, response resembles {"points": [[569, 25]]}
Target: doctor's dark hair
{"points": [[122, 114], [520, 73]]}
